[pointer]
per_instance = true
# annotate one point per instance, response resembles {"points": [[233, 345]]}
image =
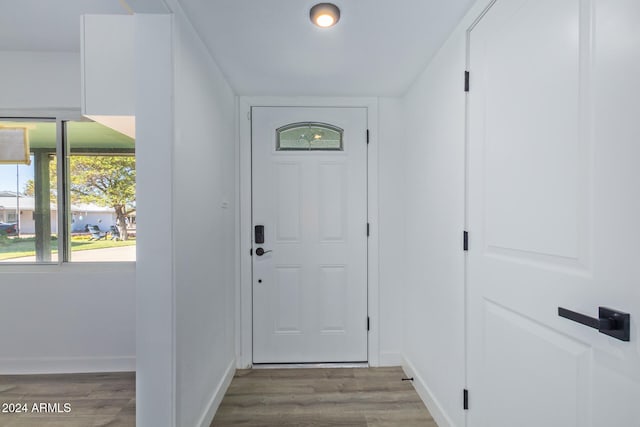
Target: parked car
{"points": [[8, 229]]}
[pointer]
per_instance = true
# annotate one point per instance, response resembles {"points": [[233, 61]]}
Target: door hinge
{"points": [[465, 399], [367, 136], [368, 229], [466, 81], [368, 323], [251, 252], [465, 241]]}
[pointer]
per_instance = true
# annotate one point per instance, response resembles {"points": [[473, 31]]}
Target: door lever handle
{"points": [[261, 251], [610, 322]]}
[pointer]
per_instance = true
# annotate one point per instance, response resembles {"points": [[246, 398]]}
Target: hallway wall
{"points": [[204, 218], [155, 293], [434, 165], [391, 194], [186, 281]]}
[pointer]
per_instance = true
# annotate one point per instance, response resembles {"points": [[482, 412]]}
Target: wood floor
{"points": [[373, 397], [94, 400]]}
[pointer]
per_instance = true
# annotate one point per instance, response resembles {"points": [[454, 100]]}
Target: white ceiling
{"points": [[270, 47]]}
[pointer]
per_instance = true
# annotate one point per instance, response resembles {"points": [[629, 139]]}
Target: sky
{"points": [[8, 176]]}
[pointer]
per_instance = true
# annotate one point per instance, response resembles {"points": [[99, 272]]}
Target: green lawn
{"points": [[21, 247]]}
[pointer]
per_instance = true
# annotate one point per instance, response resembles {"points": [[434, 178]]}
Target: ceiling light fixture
{"points": [[325, 15]]}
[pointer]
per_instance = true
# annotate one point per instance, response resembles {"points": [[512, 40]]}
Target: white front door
{"points": [[553, 211], [309, 207]]}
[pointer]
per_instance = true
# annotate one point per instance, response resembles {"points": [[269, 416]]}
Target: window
{"points": [[76, 200], [31, 228], [309, 136], [102, 193]]}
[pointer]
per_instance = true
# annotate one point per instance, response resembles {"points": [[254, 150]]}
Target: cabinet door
{"points": [[107, 65]]}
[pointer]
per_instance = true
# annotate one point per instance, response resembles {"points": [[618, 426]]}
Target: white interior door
{"points": [[309, 193], [553, 209]]}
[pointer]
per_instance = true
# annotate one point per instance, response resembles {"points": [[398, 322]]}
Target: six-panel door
{"points": [[309, 191]]}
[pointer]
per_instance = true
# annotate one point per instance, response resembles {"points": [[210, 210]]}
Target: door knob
{"points": [[609, 322], [261, 251]]}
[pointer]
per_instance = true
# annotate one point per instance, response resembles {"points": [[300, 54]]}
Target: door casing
{"points": [[243, 326]]}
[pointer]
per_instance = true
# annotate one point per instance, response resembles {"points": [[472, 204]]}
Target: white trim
{"points": [[175, 137], [216, 398], [244, 304], [238, 227], [433, 405], [373, 270], [67, 365], [310, 365], [64, 114]]}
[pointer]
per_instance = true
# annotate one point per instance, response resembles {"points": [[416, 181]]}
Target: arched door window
{"points": [[309, 136]]}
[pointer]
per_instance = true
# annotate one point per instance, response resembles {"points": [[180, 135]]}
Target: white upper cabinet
{"points": [[107, 65]]}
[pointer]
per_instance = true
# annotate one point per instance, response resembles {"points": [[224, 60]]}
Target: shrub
{"points": [[4, 240]]}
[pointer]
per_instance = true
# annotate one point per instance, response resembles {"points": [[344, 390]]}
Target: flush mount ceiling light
{"points": [[325, 15]]}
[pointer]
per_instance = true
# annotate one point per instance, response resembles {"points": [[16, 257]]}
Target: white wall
{"points": [[204, 229], [28, 223], [155, 377], [434, 163], [74, 318], [39, 80], [185, 114], [391, 222]]}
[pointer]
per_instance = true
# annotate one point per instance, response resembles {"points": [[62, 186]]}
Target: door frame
{"points": [[244, 305], [475, 19]]}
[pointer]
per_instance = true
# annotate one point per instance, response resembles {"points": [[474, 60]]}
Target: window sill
{"points": [[70, 267]]}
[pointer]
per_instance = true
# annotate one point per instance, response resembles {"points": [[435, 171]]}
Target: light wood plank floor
{"points": [[95, 399], [374, 397]]}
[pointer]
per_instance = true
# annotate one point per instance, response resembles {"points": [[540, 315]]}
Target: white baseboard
{"points": [[391, 359], [432, 404], [218, 394], [67, 365]]}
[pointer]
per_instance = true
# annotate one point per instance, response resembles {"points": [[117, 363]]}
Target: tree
{"points": [[101, 180], [105, 181], [29, 188]]}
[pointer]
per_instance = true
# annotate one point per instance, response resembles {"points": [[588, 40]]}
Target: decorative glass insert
{"points": [[309, 136]]}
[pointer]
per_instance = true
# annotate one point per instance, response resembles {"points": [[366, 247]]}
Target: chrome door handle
{"points": [[261, 251]]}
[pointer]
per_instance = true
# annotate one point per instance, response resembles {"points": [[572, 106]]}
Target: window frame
{"points": [[320, 125], [62, 154]]}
